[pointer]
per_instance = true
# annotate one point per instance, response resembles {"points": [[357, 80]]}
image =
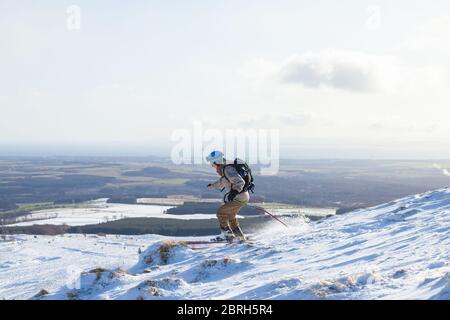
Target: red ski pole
{"points": [[265, 211]]}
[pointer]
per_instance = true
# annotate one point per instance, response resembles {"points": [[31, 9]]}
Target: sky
{"points": [[347, 79]]}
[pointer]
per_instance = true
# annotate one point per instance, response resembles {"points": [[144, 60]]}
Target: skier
{"points": [[235, 177]]}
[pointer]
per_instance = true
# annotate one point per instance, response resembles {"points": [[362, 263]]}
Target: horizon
{"points": [[115, 151]]}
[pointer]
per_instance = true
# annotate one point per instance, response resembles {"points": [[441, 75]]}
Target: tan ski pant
{"points": [[227, 214]]}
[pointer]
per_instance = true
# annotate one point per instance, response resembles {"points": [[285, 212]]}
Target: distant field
{"points": [[342, 184]]}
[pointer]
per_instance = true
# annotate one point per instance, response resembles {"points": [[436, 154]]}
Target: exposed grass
{"points": [[27, 208], [166, 248], [42, 293], [35, 206], [98, 272], [72, 295]]}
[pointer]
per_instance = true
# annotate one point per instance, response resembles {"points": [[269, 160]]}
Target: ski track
{"points": [[398, 250]]}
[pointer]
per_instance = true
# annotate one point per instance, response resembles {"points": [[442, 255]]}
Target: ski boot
{"points": [[226, 235], [239, 235]]}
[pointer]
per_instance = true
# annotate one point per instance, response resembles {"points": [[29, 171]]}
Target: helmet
{"points": [[215, 157]]}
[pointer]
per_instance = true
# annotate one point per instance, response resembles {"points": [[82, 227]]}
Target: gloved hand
{"points": [[231, 195], [209, 186]]}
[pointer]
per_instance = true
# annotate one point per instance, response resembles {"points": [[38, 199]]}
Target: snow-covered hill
{"points": [[399, 250]]}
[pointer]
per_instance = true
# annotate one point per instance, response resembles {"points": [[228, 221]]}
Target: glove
{"points": [[209, 186], [231, 195]]}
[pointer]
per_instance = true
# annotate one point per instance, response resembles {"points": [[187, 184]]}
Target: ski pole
{"points": [[265, 211]]}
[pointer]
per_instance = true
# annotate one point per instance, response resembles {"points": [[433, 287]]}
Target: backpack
{"points": [[245, 172]]}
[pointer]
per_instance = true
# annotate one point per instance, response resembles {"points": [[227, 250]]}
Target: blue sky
{"points": [[356, 78]]}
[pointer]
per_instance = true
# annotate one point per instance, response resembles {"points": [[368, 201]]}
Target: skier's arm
{"points": [[237, 183], [219, 184]]}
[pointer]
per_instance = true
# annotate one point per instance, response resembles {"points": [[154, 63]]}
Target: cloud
{"points": [[345, 70]]}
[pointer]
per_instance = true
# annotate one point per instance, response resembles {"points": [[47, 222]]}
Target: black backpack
{"points": [[245, 172]]}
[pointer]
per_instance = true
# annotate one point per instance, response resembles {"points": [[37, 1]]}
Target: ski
{"points": [[207, 242], [204, 242]]}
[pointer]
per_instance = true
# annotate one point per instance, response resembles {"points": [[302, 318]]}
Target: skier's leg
{"points": [[234, 223], [223, 215]]}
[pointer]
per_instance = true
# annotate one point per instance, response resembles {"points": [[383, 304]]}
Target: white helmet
{"points": [[216, 157]]}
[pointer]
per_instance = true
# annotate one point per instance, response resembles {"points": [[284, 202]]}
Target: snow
{"points": [[28, 263], [398, 250]]}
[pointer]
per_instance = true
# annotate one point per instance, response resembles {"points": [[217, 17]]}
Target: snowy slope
{"points": [[399, 250]]}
